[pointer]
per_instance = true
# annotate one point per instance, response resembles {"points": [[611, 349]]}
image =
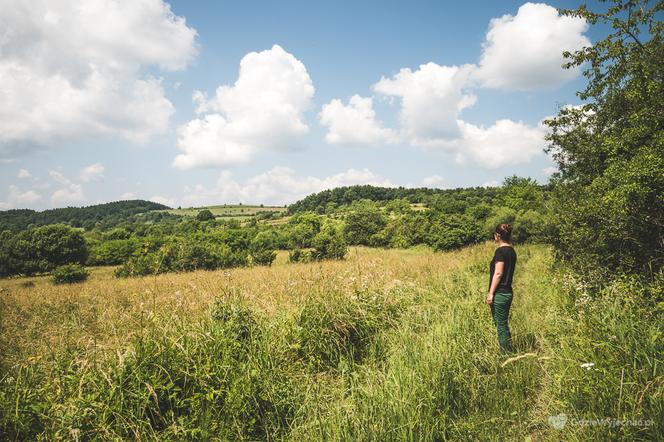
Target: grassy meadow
{"points": [[385, 345], [228, 211]]}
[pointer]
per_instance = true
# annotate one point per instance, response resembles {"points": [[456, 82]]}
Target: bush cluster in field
{"points": [[69, 273], [150, 245]]}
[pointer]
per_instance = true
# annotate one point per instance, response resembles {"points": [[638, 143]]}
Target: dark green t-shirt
{"points": [[507, 255]]}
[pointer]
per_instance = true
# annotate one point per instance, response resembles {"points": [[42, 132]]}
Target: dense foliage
{"points": [[156, 242], [204, 215], [69, 274], [177, 254], [610, 151], [329, 200], [41, 249]]}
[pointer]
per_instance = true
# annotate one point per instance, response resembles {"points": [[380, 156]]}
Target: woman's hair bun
{"points": [[504, 230]]}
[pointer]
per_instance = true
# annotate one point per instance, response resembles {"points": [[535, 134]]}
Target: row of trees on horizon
{"points": [[603, 211]]}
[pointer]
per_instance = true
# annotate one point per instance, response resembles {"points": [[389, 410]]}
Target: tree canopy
{"points": [[610, 150]]}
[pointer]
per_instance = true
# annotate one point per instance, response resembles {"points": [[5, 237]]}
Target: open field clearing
{"points": [[228, 210], [106, 310], [385, 345]]}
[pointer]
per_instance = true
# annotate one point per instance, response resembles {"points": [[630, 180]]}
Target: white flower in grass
{"points": [[587, 365]]}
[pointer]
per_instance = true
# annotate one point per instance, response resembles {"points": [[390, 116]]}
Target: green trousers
{"points": [[500, 311]]}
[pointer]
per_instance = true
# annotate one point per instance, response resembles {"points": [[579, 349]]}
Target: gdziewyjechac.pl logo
{"points": [[558, 421]]}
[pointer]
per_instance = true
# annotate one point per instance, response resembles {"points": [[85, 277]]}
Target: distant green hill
{"points": [[86, 217], [342, 196]]}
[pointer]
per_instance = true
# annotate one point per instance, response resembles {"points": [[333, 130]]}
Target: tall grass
{"points": [[388, 345]]}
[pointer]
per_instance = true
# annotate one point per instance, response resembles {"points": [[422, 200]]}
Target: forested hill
{"points": [[341, 196], [87, 217]]}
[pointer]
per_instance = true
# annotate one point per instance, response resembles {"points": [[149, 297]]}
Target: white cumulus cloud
{"points": [[58, 177], [19, 199], [262, 110], [23, 173], [68, 195], [69, 192], [93, 172], [433, 181], [506, 142], [524, 52], [78, 68], [279, 185], [170, 202], [431, 99], [354, 124]]}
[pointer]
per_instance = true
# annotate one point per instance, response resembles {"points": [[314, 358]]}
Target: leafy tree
{"points": [[117, 233], [449, 204], [480, 211], [205, 215], [262, 249], [362, 223], [329, 243], [181, 255], [41, 249], [398, 206], [532, 226], [453, 231], [609, 193], [112, 252], [69, 274], [302, 229], [522, 193]]}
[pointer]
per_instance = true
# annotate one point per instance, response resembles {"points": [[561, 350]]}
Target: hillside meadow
{"points": [[228, 211], [388, 344]]}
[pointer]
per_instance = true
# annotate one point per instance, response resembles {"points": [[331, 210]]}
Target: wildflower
{"points": [[587, 365]]}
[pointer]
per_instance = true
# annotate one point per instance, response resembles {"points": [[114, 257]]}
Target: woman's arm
{"points": [[500, 267]]}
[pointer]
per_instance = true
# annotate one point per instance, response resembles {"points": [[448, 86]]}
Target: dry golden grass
{"points": [[105, 311], [144, 359]]}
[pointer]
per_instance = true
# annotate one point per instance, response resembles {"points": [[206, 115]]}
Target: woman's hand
{"points": [[489, 298]]}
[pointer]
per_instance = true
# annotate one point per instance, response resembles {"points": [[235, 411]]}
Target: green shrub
{"points": [[262, 248], [453, 231], [69, 274], [302, 228], [205, 215], [362, 223], [236, 318], [532, 226], [329, 243], [299, 255], [112, 252], [181, 255], [263, 257], [41, 249]]}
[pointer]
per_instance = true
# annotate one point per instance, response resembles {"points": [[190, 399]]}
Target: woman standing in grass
{"points": [[501, 272]]}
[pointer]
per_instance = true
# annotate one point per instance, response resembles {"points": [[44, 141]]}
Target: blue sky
{"points": [[100, 101]]}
